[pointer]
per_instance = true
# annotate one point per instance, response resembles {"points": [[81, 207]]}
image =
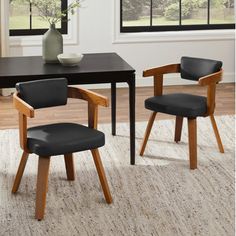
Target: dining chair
{"points": [[58, 138], [207, 73]]}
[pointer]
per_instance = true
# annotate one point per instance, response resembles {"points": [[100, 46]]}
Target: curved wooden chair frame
{"points": [[25, 110], [210, 81]]}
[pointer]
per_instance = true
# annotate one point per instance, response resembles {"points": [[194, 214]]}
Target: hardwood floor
{"points": [[77, 111]]}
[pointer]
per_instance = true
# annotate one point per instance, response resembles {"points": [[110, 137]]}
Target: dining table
{"points": [[94, 68]]}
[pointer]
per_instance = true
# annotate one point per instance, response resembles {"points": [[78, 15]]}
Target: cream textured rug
{"points": [[160, 195]]}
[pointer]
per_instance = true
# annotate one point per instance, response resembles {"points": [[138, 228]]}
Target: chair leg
{"points": [[42, 184], [178, 128], [192, 136], [147, 132], [218, 139], [102, 176], [20, 172], [70, 170]]}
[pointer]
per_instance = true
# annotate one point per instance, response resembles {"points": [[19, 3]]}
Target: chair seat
{"points": [[63, 138], [179, 104]]}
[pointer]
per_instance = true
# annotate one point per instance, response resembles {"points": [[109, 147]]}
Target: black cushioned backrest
{"points": [[44, 93], [193, 68]]}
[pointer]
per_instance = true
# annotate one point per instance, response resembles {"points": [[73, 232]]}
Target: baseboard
{"points": [[7, 92], [169, 80], [140, 82], [175, 80]]}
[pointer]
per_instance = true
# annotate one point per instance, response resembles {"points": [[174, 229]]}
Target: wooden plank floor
{"points": [[77, 111]]}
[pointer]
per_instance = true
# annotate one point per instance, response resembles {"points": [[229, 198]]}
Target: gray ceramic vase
{"points": [[52, 45]]}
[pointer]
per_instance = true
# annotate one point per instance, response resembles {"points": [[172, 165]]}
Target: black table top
{"points": [[94, 68]]}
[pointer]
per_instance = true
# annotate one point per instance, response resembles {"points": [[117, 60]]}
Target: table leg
{"points": [[132, 119], [113, 108]]}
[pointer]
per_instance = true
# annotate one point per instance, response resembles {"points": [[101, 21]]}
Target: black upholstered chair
{"points": [[56, 139], [206, 73]]}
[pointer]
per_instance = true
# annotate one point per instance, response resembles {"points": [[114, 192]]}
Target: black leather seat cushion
{"points": [[62, 138], [179, 104]]}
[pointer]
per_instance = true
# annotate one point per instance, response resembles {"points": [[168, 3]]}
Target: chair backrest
{"points": [[192, 68], [44, 93]]}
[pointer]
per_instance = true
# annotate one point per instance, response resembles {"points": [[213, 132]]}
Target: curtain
{"points": [[4, 35], [4, 28]]}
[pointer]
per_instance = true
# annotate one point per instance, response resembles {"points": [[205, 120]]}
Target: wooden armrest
{"points": [[22, 106], [81, 93], [211, 79], [171, 68]]}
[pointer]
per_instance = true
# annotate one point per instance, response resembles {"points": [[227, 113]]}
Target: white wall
{"points": [[96, 29]]}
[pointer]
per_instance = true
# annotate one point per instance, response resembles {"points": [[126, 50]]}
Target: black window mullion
{"points": [[208, 12], [151, 12], [136, 29], [180, 12], [65, 19], [30, 15], [121, 14]]}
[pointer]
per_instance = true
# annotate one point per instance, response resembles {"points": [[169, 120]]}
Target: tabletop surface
{"points": [[91, 63]]}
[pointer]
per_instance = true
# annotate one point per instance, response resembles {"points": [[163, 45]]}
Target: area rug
{"points": [[160, 195]]}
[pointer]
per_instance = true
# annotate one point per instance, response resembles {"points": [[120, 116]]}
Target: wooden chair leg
{"points": [[218, 139], [20, 172], [147, 132], [42, 184], [70, 170], [178, 128], [192, 136], [102, 176]]}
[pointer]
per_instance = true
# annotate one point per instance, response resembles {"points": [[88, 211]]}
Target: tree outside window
{"points": [[154, 13], [25, 20]]}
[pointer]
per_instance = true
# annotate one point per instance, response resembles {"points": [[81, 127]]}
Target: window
{"points": [[25, 20], [175, 15]]}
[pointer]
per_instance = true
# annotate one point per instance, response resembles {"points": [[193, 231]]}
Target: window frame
{"points": [[31, 32], [163, 28]]}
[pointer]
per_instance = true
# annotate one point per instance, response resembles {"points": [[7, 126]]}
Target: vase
{"points": [[52, 45]]}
